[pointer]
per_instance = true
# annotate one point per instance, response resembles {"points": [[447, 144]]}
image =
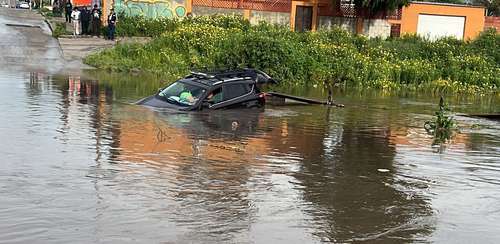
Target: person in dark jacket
{"points": [[68, 8], [96, 21], [55, 8], [85, 14], [111, 24]]}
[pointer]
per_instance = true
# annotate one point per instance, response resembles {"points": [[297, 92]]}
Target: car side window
{"points": [[235, 90], [215, 96]]}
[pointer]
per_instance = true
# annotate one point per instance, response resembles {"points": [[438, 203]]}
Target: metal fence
{"points": [[395, 15], [259, 5], [347, 9]]}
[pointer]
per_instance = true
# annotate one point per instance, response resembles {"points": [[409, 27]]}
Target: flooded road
{"points": [[26, 42], [81, 165]]}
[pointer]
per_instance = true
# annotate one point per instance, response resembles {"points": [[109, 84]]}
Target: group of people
{"points": [[88, 22]]}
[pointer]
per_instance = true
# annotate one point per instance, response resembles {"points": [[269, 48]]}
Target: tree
{"points": [[371, 8], [492, 6], [367, 9]]}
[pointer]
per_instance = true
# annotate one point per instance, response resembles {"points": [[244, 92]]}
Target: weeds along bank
{"points": [[325, 58]]}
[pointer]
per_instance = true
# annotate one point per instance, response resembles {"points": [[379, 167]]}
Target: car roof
{"points": [[214, 78]]}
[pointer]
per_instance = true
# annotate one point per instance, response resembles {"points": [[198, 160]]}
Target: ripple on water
{"points": [[80, 166]]}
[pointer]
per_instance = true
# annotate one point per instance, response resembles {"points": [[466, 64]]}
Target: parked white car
{"points": [[24, 5]]}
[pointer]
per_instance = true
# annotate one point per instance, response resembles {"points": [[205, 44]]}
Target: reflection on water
{"points": [[81, 164]]}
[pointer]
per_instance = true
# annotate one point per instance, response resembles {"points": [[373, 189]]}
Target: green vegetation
{"points": [[325, 58], [443, 126], [44, 11], [492, 7], [60, 30], [141, 26]]}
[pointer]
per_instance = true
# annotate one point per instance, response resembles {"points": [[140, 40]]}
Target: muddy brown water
{"points": [[80, 164]]}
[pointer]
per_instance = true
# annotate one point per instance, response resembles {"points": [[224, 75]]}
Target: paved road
{"points": [[27, 43], [75, 49]]}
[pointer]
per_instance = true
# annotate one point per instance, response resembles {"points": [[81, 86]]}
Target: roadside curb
{"points": [[50, 26]]}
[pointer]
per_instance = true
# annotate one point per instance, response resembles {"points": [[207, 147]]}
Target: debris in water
{"points": [[383, 170]]}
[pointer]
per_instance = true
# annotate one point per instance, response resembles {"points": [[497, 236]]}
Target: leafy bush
{"points": [[60, 30], [326, 58], [442, 126], [488, 44], [143, 26]]}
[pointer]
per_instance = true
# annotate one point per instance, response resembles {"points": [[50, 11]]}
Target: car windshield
{"points": [[182, 94]]}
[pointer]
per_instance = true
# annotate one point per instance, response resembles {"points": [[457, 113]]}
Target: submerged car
{"points": [[212, 90]]}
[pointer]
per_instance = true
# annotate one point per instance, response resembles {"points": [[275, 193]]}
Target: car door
{"points": [[234, 95]]}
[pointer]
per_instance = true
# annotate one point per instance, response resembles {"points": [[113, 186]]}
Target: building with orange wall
{"points": [[424, 18], [81, 2], [468, 21]]}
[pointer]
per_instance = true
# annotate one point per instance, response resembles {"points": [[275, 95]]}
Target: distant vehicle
{"points": [[212, 90], [23, 5]]}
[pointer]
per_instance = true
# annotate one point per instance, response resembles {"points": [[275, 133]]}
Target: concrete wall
{"points": [[279, 18], [327, 22], [253, 16], [474, 16], [371, 27], [376, 28], [201, 10], [152, 8]]}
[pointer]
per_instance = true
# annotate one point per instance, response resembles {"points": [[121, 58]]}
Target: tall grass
{"points": [[328, 58]]}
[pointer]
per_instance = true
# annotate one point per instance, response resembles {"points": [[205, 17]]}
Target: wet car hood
{"points": [[156, 102]]}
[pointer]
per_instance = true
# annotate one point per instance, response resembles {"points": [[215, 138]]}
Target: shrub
{"points": [[328, 57], [60, 30], [488, 44], [442, 126]]}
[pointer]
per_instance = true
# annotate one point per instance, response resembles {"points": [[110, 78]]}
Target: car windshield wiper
{"points": [[172, 101]]}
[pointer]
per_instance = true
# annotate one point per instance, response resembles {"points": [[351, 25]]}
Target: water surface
{"points": [[80, 164]]}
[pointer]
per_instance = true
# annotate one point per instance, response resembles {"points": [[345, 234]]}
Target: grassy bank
{"points": [[325, 58]]}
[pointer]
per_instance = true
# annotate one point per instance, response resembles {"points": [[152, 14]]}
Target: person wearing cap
{"points": [[111, 24]]}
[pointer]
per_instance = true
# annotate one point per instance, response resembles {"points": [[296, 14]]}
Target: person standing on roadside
{"points": [[75, 15], [55, 8], [111, 24], [67, 10], [85, 19], [96, 21]]}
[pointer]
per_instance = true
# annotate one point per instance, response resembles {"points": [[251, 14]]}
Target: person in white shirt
{"points": [[75, 16]]}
